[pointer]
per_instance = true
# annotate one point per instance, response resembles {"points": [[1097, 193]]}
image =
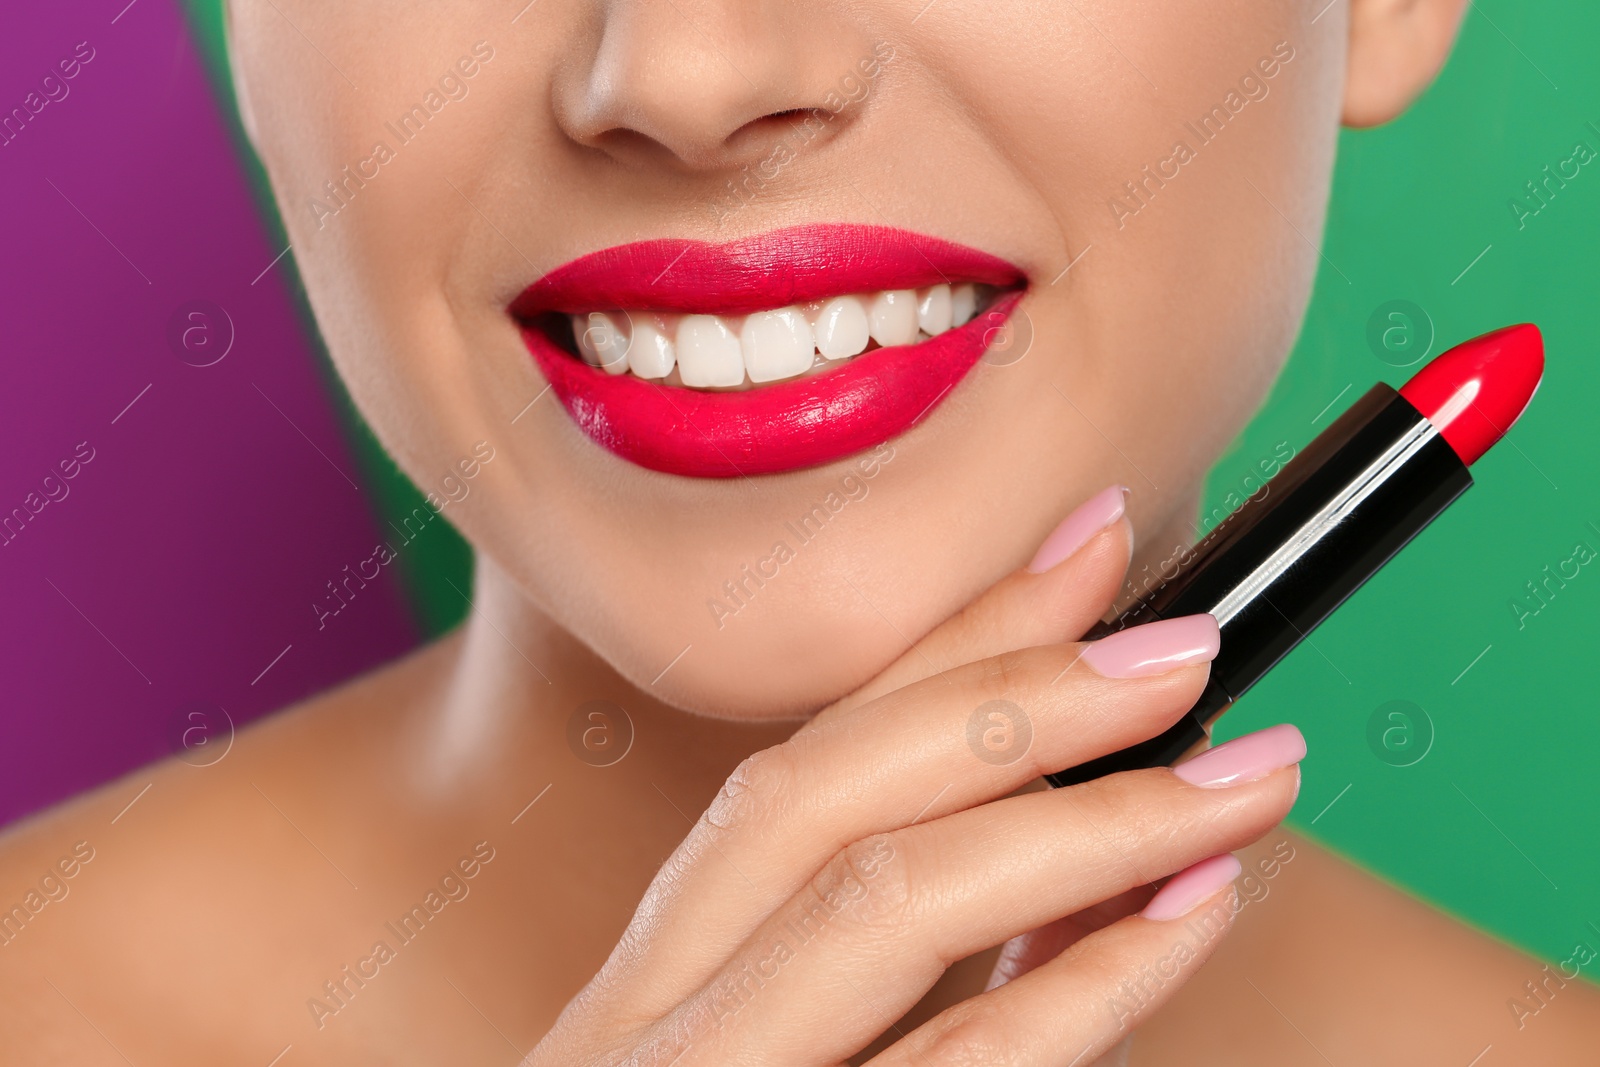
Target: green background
{"points": [[1498, 820]]}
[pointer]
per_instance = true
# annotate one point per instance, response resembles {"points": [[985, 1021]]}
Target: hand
{"points": [[837, 875]]}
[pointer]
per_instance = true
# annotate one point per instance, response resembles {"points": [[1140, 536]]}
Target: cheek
{"points": [[1185, 292]]}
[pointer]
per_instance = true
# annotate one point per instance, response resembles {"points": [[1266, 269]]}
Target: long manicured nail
{"points": [[1155, 647], [1192, 885], [1092, 516], [1244, 759]]}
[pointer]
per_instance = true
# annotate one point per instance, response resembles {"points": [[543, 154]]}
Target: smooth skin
{"points": [[220, 902], [229, 881]]}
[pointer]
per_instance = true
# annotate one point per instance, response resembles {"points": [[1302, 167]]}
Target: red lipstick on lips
{"points": [[1272, 571], [786, 425]]}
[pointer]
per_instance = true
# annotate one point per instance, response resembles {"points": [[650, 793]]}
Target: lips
{"points": [[823, 416]]}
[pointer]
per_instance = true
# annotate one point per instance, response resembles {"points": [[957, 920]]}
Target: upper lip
{"points": [[778, 426], [758, 273]]}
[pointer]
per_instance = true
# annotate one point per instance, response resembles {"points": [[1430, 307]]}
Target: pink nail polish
{"points": [[1244, 759], [1155, 647], [1092, 516], [1190, 886]]}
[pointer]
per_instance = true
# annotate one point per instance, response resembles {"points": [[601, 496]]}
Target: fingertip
{"points": [[1127, 528], [1155, 647], [1076, 530], [1246, 759], [1193, 886]]}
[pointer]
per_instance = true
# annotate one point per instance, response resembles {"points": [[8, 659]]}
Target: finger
{"points": [[1065, 589], [919, 753], [1116, 1057], [1037, 947], [894, 911], [1090, 998]]}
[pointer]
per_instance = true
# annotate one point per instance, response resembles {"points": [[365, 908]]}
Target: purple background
{"points": [[186, 555]]}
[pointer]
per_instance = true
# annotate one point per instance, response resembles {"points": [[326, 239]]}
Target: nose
{"points": [[706, 85]]}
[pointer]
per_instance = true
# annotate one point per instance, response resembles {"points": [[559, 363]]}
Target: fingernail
{"points": [[1244, 759], [1092, 516], [1192, 885], [1155, 647]]}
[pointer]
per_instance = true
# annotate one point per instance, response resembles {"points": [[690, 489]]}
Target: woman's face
{"points": [[432, 161]]}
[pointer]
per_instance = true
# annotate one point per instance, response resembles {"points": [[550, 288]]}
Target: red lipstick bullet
{"points": [[1474, 392]]}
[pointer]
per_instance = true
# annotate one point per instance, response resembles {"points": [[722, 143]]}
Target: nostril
{"points": [[624, 143], [778, 119], [760, 136]]}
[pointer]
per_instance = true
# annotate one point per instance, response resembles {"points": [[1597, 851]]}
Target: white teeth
{"points": [[934, 311], [651, 353], [893, 317], [708, 354], [777, 345], [963, 304], [603, 340], [841, 328], [717, 352], [580, 331]]}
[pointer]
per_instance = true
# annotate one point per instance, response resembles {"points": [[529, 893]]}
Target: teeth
{"points": [[963, 304], [651, 353], [934, 311], [718, 352], [580, 330], [841, 328], [777, 345], [603, 340], [708, 354], [893, 317]]}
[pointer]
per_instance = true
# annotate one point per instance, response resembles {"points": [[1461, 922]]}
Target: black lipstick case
{"points": [[1275, 568]]}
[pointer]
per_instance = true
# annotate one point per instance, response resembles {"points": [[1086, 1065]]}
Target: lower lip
{"points": [[774, 428]]}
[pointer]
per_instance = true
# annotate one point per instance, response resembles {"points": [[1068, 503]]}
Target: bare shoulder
{"points": [[1328, 963], [133, 886], [320, 731]]}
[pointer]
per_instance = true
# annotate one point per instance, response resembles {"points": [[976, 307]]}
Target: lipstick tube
{"points": [[1337, 512]]}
